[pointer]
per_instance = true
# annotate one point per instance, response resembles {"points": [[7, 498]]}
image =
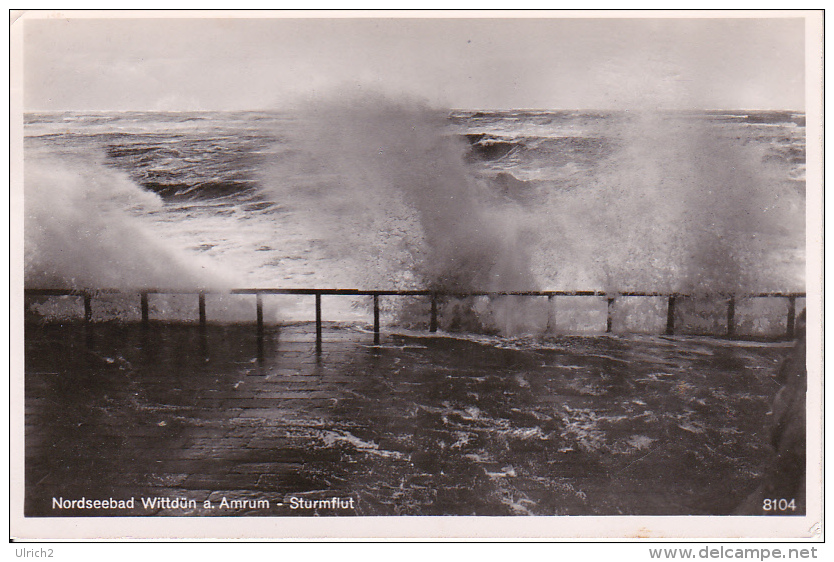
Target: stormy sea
{"points": [[528, 405]]}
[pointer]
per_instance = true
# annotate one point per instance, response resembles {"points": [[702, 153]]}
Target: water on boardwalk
{"points": [[416, 426]]}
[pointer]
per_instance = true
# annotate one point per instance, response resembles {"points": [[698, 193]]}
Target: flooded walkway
{"points": [[226, 424]]}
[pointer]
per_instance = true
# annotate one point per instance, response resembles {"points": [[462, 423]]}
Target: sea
{"points": [[371, 193], [517, 405]]}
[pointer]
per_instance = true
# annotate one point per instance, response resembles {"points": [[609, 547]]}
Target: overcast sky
{"points": [[487, 63]]}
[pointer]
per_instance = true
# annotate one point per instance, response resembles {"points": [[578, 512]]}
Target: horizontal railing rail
{"points": [[435, 295], [406, 292]]}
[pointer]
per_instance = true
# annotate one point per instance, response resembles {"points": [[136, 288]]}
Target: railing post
{"points": [[610, 319], [88, 317], [549, 314], [202, 306], [670, 316], [433, 321], [259, 312], [791, 316], [88, 308], [144, 306], [376, 319], [318, 323], [731, 316]]}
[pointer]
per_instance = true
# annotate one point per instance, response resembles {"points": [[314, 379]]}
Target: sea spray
{"points": [[390, 192], [574, 200], [84, 231], [677, 206], [81, 234]]}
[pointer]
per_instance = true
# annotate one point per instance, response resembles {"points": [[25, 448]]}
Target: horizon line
{"points": [[451, 109]]}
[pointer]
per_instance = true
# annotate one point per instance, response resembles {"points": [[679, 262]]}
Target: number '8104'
{"points": [[781, 504]]}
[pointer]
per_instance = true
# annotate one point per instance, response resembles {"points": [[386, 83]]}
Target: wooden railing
{"points": [[435, 296]]}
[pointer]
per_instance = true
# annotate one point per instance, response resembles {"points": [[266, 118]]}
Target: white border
{"points": [[433, 528]]}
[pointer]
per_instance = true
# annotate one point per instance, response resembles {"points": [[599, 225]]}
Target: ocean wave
{"points": [[84, 229], [388, 196]]}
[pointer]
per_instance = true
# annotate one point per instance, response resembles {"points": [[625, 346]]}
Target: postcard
{"points": [[416, 275]]}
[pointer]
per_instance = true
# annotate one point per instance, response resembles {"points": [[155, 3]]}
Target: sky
{"points": [[495, 63]]}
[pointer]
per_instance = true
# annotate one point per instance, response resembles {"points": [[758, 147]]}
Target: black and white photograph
{"points": [[395, 274]]}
